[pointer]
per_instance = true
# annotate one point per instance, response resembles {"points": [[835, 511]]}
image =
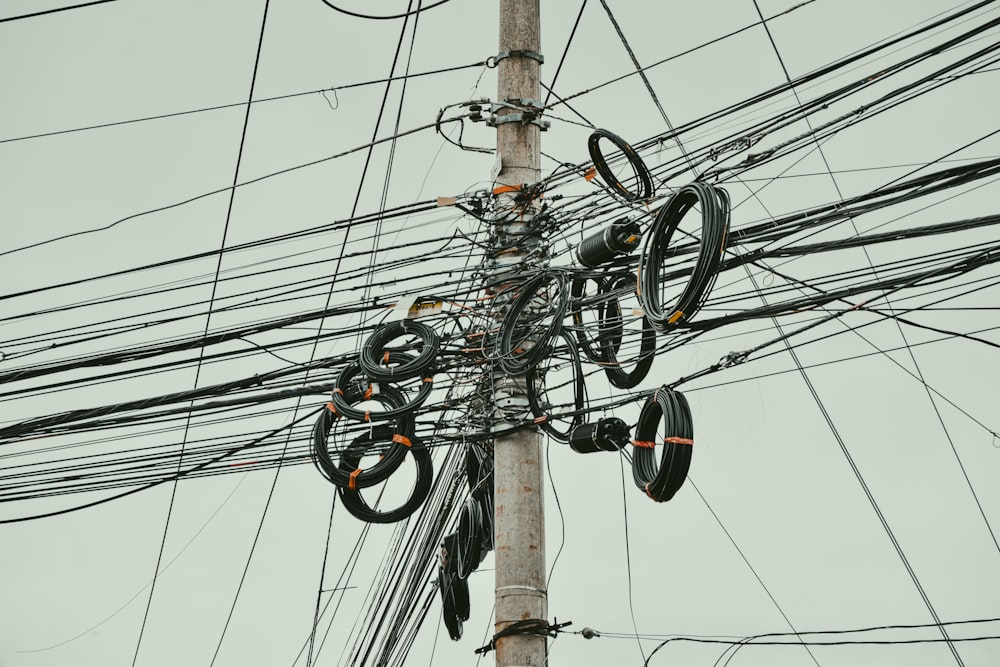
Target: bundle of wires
{"points": [[714, 228], [661, 482]]}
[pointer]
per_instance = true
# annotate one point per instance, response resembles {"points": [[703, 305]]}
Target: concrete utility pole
{"points": [[519, 519]]}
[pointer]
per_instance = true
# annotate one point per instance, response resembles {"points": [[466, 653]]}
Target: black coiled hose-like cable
{"points": [[470, 539], [661, 482], [612, 328], [454, 590], [563, 351], [522, 344], [714, 229], [347, 392], [378, 364], [645, 182], [479, 466], [591, 346], [357, 506], [397, 437]]}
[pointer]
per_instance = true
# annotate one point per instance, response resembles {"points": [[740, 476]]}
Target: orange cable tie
{"points": [[353, 483], [678, 441], [402, 439], [646, 444]]}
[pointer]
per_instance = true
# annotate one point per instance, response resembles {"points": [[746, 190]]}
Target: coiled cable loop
{"points": [[348, 392], [382, 366], [541, 386], [356, 505], [661, 482], [533, 318], [643, 179], [714, 204], [612, 328]]}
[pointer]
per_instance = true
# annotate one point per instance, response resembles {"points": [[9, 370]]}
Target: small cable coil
{"points": [[645, 181], [375, 362], [661, 481]]}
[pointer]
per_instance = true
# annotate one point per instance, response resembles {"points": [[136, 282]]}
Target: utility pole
{"points": [[519, 522]]}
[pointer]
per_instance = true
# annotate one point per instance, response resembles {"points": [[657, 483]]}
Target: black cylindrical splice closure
{"points": [[608, 434], [621, 238]]}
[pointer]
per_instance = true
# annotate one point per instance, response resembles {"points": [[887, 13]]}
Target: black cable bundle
{"points": [[455, 606], [397, 437], [357, 506], [346, 392], [470, 539], [592, 348], [642, 176], [612, 328], [714, 229], [479, 468], [661, 482], [514, 332], [375, 360], [541, 406]]}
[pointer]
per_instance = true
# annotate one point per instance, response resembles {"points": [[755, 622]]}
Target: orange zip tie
{"points": [[428, 379], [500, 189], [353, 483], [590, 174], [539, 420], [332, 408], [368, 415], [673, 319], [369, 392], [650, 494], [647, 444], [385, 358], [679, 441], [402, 439]]}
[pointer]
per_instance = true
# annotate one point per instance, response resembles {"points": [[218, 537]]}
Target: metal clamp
{"points": [[522, 118], [493, 61]]}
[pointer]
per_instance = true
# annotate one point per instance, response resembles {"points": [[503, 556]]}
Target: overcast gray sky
{"points": [[772, 515]]}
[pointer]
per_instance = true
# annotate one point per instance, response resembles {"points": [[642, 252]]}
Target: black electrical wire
{"points": [[374, 358], [351, 498], [714, 204], [346, 390], [540, 390], [386, 17], [53, 11], [644, 183], [524, 333], [661, 481], [612, 332], [470, 539], [398, 438]]}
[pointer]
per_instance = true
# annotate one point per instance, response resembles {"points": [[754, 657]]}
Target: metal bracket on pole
{"points": [[493, 61]]}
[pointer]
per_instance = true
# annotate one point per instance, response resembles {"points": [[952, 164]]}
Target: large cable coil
{"points": [[396, 439], [346, 392], [533, 318], [714, 204], [479, 468], [542, 384], [357, 506], [471, 551], [612, 333], [455, 604], [381, 366], [661, 481], [641, 172]]}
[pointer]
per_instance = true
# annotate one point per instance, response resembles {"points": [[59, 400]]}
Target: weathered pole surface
{"points": [[519, 520]]}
